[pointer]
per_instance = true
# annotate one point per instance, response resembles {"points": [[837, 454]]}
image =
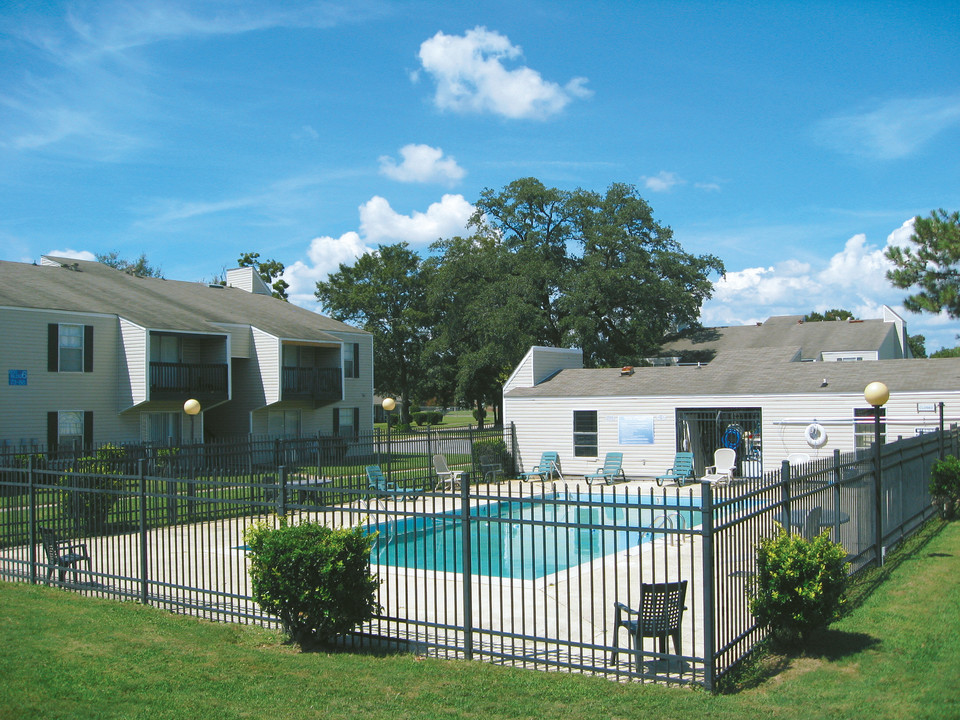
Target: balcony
{"points": [[206, 382], [321, 386]]}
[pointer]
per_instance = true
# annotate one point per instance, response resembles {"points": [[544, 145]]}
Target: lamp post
{"points": [[877, 394], [388, 405], [192, 408]]}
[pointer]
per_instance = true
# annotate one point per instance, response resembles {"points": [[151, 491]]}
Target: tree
{"points": [[633, 283], [933, 265], [481, 306], [946, 353], [385, 293], [270, 272], [918, 345], [139, 267], [834, 314], [597, 271]]}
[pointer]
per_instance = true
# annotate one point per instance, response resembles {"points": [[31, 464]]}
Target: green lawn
{"points": [[896, 655]]}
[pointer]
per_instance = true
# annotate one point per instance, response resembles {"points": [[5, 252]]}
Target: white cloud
{"points": [[324, 256], [380, 223], [422, 164], [854, 279], [471, 76], [72, 254], [662, 182], [896, 129]]}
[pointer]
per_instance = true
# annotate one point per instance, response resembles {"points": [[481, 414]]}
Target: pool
{"points": [[527, 539]]}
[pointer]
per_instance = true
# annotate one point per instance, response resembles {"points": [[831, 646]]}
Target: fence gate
{"points": [[704, 430]]}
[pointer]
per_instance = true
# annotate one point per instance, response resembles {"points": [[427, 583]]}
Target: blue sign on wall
{"points": [[636, 429], [17, 377]]}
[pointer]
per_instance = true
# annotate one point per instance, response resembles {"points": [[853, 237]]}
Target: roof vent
{"points": [[626, 370]]}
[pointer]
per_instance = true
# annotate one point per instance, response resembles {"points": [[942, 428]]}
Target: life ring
{"points": [[815, 435], [731, 437]]}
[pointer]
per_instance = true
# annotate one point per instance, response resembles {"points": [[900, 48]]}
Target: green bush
{"points": [[88, 496], [799, 587], [315, 579], [945, 485], [428, 417], [479, 414]]}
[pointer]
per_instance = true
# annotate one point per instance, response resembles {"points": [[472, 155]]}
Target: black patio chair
{"points": [[660, 614], [61, 555]]}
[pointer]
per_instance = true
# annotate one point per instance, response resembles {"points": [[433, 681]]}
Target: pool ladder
{"points": [[666, 521]]}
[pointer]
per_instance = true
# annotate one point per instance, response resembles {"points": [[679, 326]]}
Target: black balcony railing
{"points": [[173, 381], [321, 385]]}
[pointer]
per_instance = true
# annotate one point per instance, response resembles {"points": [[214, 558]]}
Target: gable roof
{"points": [[769, 373], [785, 331], [156, 303]]}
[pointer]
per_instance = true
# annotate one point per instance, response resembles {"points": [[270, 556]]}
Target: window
{"points": [[863, 427], [69, 348], [160, 427], [283, 423], [69, 429], [351, 360], [346, 422], [585, 433], [165, 348]]}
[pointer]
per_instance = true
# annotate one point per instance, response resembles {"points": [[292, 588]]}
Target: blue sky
{"points": [[794, 140]]}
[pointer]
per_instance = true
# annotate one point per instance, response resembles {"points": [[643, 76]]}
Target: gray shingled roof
{"points": [[155, 303], [781, 332], [760, 372]]}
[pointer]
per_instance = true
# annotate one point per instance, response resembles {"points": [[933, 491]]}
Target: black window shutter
{"points": [[88, 348], [53, 347], [356, 422], [52, 429], [336, 421], [356, 360], [88, 428]]}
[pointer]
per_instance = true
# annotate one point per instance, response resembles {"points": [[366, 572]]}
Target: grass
{"points": [[66, 656]]}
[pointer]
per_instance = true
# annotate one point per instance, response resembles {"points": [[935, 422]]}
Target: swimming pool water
{"points": [[527, 539]]}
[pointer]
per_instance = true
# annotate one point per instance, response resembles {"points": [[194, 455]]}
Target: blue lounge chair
{"points": [[681, 471], [382, 489], [612, 468], [544, 470]]}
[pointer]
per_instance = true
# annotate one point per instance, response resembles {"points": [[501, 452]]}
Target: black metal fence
{"points": [[525, 574]]}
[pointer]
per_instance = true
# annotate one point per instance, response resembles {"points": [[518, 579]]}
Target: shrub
{"points": [[799, 587], [495, 448], [315, 579], [479, 414], [945, 485], [429, 417], [88, 496]]}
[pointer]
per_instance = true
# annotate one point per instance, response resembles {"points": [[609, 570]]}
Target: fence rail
{"points": [[524, 574]]}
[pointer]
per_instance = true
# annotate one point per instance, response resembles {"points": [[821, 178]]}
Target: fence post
{"points": [[707, 567], [467, 566], [837, 477], [282, 492], [31, 518], [142, 493], [785, 493]]}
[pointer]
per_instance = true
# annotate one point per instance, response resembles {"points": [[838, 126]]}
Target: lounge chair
{"points": [[681, 471], [660, 614], [723, 468], [446, 478], [62, 556], [491, 469], [382, 489], [545, 469], [612, 468]]}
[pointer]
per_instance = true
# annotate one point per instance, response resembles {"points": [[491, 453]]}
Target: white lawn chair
{"points": [[723, 468]]}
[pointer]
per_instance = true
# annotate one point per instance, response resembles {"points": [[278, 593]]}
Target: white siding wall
{"points": [[24, 408], [267, 348], [540, 363], [132, 378], [547, 424]]}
